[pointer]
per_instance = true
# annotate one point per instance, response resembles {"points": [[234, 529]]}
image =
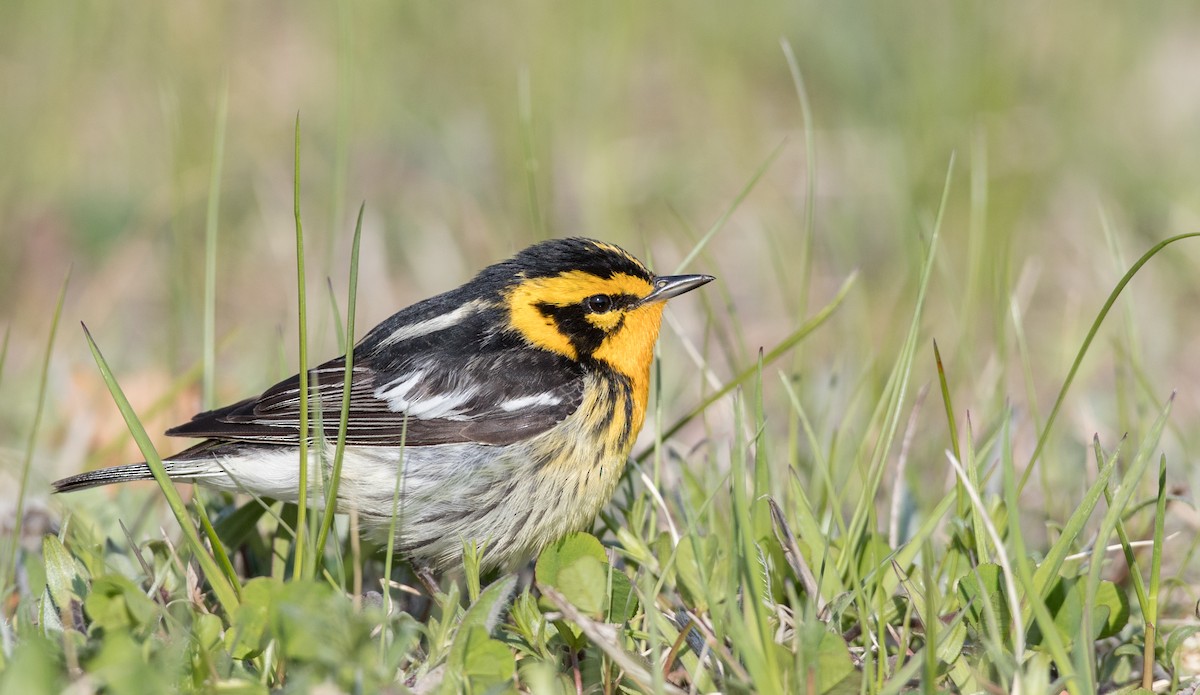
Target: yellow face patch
{"points": [[563, 290]]}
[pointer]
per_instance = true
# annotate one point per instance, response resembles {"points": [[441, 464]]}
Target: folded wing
{"points": [[489, 397]]}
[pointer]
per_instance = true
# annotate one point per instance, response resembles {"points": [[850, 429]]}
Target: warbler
{"points": [[501, 412]]}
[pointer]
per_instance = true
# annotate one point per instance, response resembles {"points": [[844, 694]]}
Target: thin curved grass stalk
{"points": [[10, 552], [1087, 342], [299, 568], [344, 418]]}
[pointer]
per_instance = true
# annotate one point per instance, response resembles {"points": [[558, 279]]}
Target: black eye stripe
{"points": [[600, 303]]}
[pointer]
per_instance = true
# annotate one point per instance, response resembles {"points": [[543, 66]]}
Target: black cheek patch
{"points": [[572, 322]]}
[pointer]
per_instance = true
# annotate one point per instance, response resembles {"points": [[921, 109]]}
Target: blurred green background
{"points": [[471, 130]]}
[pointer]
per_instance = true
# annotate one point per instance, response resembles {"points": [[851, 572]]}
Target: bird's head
{"points": [[589, 300]]}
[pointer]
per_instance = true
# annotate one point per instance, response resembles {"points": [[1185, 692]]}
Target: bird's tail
{"points": [[183, 471]]}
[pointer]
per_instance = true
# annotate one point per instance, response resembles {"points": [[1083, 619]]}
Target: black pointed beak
{"points": [[668, 286]]}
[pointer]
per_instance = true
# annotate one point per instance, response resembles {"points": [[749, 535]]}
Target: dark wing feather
{"points": [[501, 391]]}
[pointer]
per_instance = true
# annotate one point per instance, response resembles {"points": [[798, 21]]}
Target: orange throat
{"points": [[630, 353]]}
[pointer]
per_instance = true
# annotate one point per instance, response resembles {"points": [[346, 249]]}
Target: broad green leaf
{"points": [[48, 617], [1176, 639], [486, 663], [583, 582], [474, 655], [35, 667], [487, 610], [1109, 597], [207, 631], [1065, 602], [64, 577], [986, 583], [298, 615], [687, 569], [124, 665], [565, 551], [622, 601], [578, 567], [827, 661], [115, 603], [244, 638], [872, 553]]}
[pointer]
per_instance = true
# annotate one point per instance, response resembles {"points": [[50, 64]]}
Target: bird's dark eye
{"points": [[598, 303]]}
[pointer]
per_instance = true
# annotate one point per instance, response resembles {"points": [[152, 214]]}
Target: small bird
{"points": [[501, 412]]}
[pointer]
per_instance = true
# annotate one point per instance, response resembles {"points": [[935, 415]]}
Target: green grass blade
{"points": [[4, 351], [733, 206], [339, 325], [215, 542], [1034, 607], [951, 421], [1048, 568], [300, 568], [525, 105], [897, 386], [1124, 495], [10, 551], [226, 593], [1135, 574], [1087, 342], [347, 379], [1151, 613], [390, 551], [208, 398], [810, 172]]}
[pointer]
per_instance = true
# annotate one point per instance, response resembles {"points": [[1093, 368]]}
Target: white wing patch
{"points": [[446, 406], [395, 392], [541, 399], [433, 325]]}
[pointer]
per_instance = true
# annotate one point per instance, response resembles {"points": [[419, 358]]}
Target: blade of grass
{"points": [[226, 593], [299, 567], [1135, 574], [951, 421], [1087, 342], [1049, 566], [339, 325], [10, 552], [214, 541], [1125, 492], [525, 106], [752, 633], [1035, 605], [1006, 568], [733, 206], [810, 172], [208, 379], [4, 352], [1151, 614], [897, 384], [390, 553], [347, 379], [210, 252]]}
